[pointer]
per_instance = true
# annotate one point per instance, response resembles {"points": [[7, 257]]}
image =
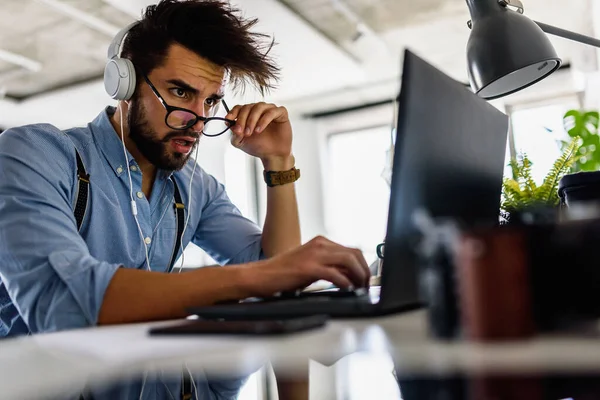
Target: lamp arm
{"points": [[553, 30]]}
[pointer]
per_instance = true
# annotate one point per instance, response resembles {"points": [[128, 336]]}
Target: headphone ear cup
{"points": [[119, 78]]}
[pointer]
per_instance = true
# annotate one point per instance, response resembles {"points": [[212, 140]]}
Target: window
{"points": [[240, 182], [537, 129], [357, 195]]}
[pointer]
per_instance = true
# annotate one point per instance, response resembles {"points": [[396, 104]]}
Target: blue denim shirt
{"points": [[53, 277]]}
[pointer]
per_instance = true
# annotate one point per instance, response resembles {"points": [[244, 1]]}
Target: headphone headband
{"points": [[119, 73], [115, 46]]}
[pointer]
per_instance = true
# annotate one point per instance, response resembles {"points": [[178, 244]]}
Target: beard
{"points": [[153, 148]]}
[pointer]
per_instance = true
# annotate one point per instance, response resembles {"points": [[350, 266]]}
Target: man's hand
{"points": [[318, 259], [264, 131]]}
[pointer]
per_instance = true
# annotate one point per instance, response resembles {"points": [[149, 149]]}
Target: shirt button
{"points": [[147, 240], [133, 168], [140, 195], [119, 170]]}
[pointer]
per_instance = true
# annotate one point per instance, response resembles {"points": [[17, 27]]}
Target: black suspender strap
{"points": [[83, 186], [186, 385], [82, 193], [179, 220], [186, 381]]}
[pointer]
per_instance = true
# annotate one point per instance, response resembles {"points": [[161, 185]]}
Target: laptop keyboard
{"points": [[359, 292], [329, 293]]}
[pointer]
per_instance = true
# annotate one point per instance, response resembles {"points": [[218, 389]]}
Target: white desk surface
{"points": [[50, 363]]}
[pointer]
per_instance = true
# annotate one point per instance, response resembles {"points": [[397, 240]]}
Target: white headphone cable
{"points": [[143, 384], [192, 379], [133, 204]]}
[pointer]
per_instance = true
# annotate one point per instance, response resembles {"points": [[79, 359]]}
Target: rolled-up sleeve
{"points": [[45, 264], [223, 232]]}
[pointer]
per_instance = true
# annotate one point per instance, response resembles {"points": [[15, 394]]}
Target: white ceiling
{"points": [[67, 47], [322, 66]]}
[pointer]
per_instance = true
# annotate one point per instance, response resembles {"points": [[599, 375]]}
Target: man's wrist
{"points": [[242, 279], [248, 279], [278, 163]]}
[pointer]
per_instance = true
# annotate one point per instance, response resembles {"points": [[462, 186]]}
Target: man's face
{"points": [[184, 80]]}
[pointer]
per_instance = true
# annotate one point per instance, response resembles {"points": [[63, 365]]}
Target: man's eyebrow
{"points": [[183, 85], [191, 89]]}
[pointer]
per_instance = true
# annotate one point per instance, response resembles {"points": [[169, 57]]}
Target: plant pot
{"points": [[581, 187], [541, 214]]}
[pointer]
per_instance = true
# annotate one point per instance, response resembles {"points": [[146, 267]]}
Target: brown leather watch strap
{"points": [[275, 178]]}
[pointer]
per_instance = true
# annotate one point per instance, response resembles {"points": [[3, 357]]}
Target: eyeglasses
{"points": [[181, 119]]}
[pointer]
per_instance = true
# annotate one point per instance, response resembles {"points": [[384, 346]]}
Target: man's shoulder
{"points": [[39, 142], [42, 135], [34, 135]]}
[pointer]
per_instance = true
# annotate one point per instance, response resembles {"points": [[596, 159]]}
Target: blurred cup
{"points": [[380, 248]]}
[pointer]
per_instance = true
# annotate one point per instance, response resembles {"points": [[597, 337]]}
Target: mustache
{"points": [[190, 134]]}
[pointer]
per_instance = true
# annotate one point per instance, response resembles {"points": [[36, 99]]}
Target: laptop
{"points": [[449, 161]]}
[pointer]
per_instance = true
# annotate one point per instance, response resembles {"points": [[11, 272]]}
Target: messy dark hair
{"points": [[210, 28]]}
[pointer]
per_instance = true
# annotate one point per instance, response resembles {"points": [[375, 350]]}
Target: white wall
{"points": [[65, 108], [309, 188]]}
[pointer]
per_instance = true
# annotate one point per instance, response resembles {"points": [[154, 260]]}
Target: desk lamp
{"points": [[507, 51]]}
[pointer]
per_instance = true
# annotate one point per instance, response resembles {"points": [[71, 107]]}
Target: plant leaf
{"points": [[548, 193]]}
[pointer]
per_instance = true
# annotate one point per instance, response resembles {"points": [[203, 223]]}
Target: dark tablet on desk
{"points": [[256, 327]]}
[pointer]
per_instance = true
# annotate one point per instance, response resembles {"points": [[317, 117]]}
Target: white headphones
{"points": [[119, 73]]}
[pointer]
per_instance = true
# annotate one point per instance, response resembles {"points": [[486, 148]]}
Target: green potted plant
{"points": [[584, 125], [521, 194], [582, 185]]}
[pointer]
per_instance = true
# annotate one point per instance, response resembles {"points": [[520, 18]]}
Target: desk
{"points": [[52, 363]]}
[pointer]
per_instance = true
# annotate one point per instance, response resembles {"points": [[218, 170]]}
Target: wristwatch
{"points": [[275, 178]]}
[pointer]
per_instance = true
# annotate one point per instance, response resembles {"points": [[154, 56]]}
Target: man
{"points": [[114, 268]]}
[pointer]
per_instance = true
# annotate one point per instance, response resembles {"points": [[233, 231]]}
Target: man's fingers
{"points": [[329, 248], [257, 112], [349, 264], [361, 259], [254, 118], [266, 118], [242, 116], [233, 113], [334, 276]]}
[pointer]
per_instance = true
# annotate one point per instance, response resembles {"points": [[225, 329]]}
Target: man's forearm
{"points": [[135, 296], [282, 226]]}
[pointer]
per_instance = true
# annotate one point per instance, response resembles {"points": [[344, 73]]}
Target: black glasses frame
{"points": [[192, 122]]}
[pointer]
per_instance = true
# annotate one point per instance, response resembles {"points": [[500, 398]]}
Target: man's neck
{"points": [[147, 168]]}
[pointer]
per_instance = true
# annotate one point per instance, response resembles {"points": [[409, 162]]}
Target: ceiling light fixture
{"points": [[507, 51]]}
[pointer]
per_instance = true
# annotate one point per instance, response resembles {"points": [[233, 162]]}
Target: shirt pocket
{"points": [[163, 246], [163, 240]]}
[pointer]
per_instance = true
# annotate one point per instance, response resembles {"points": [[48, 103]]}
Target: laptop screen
{"points": [[448, 160]]}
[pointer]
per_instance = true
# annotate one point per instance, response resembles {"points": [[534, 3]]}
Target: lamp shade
{"points": [[506, 51]]}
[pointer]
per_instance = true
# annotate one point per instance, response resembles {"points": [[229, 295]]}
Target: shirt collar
{"points": [[111, 146]]}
